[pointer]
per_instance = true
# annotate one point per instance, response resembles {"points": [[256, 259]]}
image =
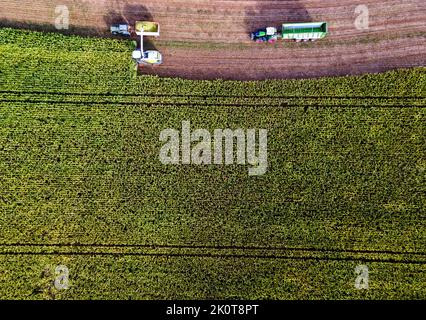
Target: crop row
{"points": [[54, 62], [170, 100]]}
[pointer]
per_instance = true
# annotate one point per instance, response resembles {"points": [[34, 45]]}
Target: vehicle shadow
{"points": [[45, 27], [129, 14], [263, 15]]}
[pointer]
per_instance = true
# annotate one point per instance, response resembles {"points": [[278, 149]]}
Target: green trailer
{"points": [[306, 31]]}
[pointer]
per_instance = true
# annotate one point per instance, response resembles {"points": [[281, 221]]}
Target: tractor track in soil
{"points": [[209, 39]]}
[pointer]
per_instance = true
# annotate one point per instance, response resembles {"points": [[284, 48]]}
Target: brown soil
{"points": [[210, 39]]}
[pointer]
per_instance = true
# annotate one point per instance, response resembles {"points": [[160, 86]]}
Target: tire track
{"points": [[222, 252]]}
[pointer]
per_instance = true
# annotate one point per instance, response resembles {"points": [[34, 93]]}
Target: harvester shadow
{"points": [[120, 12], [46, 27], [129, 14]]}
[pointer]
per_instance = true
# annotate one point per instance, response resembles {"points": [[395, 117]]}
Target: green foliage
{"points": [[79, 165]]}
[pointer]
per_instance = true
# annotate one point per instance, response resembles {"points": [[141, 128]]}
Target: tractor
{"points": [[121, 29], [141, 29], [298, 32], [268, 34]]}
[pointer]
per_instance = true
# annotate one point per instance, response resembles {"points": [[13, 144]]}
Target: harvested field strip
{"points": [[191, 30]]}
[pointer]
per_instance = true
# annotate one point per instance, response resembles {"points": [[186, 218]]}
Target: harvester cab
{"points": [[269, 34], [149, 57]]}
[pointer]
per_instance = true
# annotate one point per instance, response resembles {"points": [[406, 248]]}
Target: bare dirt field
{"points": [[203, 39]]}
